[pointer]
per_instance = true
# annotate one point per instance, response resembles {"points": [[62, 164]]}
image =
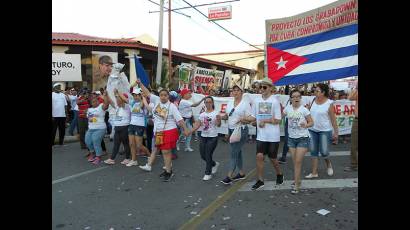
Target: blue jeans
{"points": [[285, 145], [236, 150], [74, 123], [188, 138], [93, 139], [320, 142]]}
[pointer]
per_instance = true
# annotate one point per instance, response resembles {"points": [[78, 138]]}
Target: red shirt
{"points": [[83, 105]]}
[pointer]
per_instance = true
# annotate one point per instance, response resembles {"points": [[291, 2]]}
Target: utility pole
{"points": [[159, 60], [169, 42]]}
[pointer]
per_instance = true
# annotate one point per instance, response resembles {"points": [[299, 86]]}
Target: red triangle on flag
{"points": [[281, 63]]}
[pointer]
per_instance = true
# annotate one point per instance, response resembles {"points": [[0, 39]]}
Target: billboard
{"points": [[219, 13], [66, 67]]}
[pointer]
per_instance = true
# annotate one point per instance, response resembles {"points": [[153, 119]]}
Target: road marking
{"points": [[306, 184], [205, 213], [332, 153], [78, 174]]}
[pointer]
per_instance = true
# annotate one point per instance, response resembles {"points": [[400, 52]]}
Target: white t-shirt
{"points": [[137, 113], [96, 117], [266, 109], [73, 100], [243, 109], [164, 111], [320, 116], [208, 124], [58, 103], [295, 118], [185, 108], [122, 116]]}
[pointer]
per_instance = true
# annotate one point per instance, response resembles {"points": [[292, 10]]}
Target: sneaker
{"points": [[226, 181], [97, 160], [162, 174], [282, 160], [330, 171], [310, 176], [215, 168], [259, 184], [146, 168], [109, 162], [294, 191], [168, 176], [207, 177], [125, 161], [350, 169], [132, 163], [188, 149], [238, 177], [279, 179], [177, 147], [91, 157]]}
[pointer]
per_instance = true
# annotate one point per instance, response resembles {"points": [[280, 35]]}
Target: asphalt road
{"points": [[101, 197]]}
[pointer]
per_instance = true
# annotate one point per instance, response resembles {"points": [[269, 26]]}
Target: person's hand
{"points": [[261, 124], [335, 136], [253, 123], [303, 124]]}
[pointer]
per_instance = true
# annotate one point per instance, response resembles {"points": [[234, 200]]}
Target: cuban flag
{"points": [[320, 57]]}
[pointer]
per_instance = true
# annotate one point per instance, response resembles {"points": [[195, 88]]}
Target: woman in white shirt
{"points": [[166, 117], [241, 109], [299, 119], [137, 125], [121, 122], [324, 118], [96, 128], [208, 121]]}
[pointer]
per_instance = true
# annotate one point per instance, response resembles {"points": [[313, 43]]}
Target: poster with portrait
{"points": [[98, 81]]}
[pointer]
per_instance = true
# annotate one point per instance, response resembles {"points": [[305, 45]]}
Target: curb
{"points": [[68, 139]]}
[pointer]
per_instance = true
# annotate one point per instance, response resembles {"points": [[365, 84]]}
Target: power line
{"points": [[221, 26], [182, 8], [171, 10], [244, 58]]}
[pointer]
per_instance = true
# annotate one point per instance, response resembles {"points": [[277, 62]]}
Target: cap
{"points": [[237, 85], [57, 84], [136, 91], [267, 81], [185, 91]]}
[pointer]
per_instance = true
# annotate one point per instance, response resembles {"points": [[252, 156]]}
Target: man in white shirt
{"points": [[59, 107], [74, 108], [185, 108], [267, 113]]}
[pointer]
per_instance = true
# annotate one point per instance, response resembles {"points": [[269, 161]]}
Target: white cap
{"points": [[57, 84], [136, 91]]}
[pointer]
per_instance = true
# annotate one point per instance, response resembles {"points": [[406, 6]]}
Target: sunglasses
{"points": [[263, 87], [230, 113]]}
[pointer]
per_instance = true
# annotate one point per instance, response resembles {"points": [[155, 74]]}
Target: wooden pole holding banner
{"points": [[159, 60], [169, 42]]}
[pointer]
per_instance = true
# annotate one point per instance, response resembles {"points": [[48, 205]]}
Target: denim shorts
{"points": [[136, 130], [320, 142], [302, 142]]}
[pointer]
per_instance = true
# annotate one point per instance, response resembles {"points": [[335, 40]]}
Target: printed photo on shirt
{"points": [[265, 108], [162, 112]]}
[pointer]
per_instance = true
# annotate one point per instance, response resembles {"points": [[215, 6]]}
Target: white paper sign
{"points": [[66, 67]]}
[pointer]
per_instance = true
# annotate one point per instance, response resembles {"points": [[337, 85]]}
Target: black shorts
{"points": [[267, 148], [136, 130]]}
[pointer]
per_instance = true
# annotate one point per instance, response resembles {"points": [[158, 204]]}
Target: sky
{"points": [[195, 35]]}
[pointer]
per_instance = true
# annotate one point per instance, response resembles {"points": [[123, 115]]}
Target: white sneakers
{"points": [[215, 168], [310, 176], [188, 150], [177, 147], [125, 161], [207, 177], [146, 168], [132, 163], [109, 161], [330, 171]]}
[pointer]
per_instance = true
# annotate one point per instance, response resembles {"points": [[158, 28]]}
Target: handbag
{"points": [[159, 136], [236, 135]]}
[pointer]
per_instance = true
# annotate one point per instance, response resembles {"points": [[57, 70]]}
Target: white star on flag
{"points": [[281, 63]]}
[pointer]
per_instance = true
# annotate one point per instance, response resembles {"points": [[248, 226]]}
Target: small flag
{"points": [[141, 74]]}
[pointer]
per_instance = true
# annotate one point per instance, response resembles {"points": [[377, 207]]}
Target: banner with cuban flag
{"points": [[318, 45]]}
